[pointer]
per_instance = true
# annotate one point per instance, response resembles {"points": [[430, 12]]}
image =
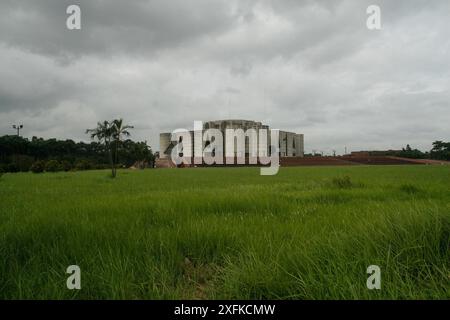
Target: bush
{"points": [[83, 165], [53, 166], [38, 167], [102, 166], [66, 165], [12, 167], [23, 162]]}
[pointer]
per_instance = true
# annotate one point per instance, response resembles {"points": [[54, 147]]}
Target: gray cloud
{"points": [[299, 65], [110, 27]]}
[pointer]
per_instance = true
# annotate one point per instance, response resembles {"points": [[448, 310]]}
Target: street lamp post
{"points": [[18, 127]]}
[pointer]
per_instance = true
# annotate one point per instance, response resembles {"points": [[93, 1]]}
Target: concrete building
{"points": [[290, 144]]}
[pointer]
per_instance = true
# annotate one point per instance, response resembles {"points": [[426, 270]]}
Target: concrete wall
{"points": [[290, 143], [164, 143], [299, 145]]}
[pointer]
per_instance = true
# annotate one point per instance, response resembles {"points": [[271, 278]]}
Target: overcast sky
{"points": [[295, 65]]}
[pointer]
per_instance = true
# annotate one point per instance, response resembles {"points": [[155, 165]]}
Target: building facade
{"points": [[290, 144]]}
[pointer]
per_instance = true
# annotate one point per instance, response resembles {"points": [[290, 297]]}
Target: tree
{"points": [[110, 134], [132, 152], [408, 152], [103, 133], [53, 166], [38, 167], [19, 153], [118, 130], [440, 150]]}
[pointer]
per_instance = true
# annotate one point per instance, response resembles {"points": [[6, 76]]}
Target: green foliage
{"points": [[408, 152], [38, 166], [11, 167], [53, 166], [66, 165], [18, 153], [227, 233], [110, 133], [10, 145], [23, 162], [440, 150], [83, 164], [131, 152]]}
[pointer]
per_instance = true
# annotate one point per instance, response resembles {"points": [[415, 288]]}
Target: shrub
{"points": [[102, 166], [343, 182], [12, 167], [53, 166], [83, 165], [38, 167], [23, 162], [66, 165]]}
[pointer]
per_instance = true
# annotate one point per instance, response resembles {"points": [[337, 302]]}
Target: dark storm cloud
{"points": [[306, 66]]}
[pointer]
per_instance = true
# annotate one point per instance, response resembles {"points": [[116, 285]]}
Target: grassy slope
{"points": [[295, 235]]}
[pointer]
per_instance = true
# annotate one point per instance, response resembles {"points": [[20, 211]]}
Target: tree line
{"points": [[112, 149], [440, 151]]}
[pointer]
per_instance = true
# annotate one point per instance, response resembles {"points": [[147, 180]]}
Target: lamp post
{"points": [[18, 127]]}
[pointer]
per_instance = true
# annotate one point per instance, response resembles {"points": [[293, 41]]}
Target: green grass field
{"points": [[227, 233]]}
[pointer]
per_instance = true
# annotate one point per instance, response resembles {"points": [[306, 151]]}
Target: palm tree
{"points": [[118, 130], [110, 133], [103, 133]]}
